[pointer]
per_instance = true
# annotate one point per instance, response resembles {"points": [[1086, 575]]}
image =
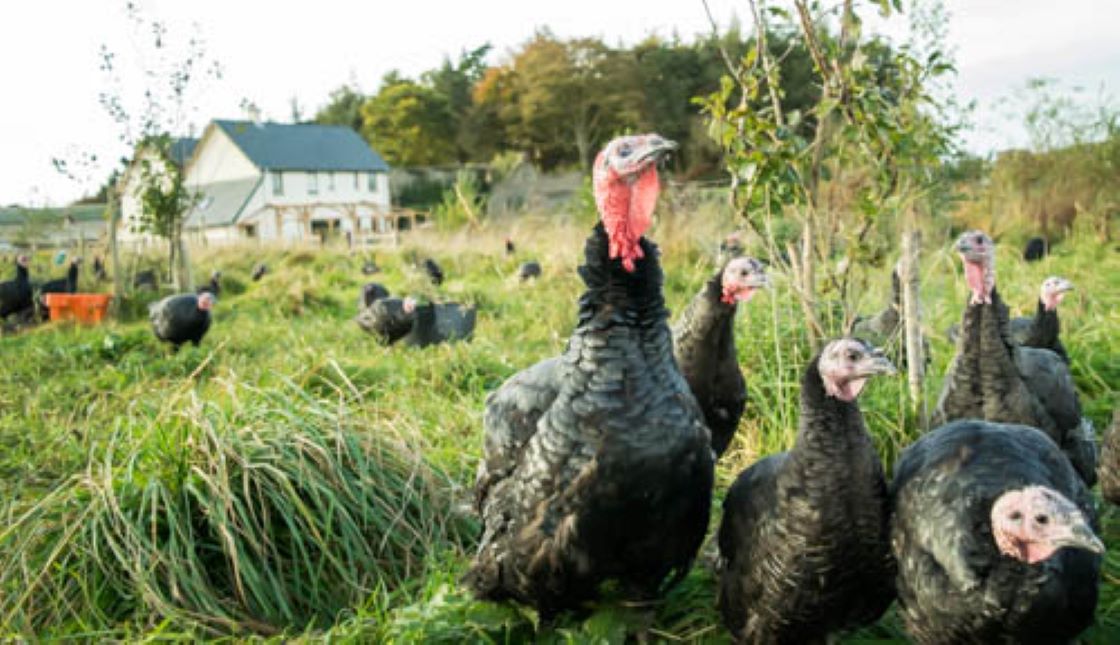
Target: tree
{"points": [[409, 123], [455, 83], [344, 107]]}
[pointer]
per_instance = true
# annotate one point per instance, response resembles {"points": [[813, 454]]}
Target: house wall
{"points": [[297, 188], [217, 158]]}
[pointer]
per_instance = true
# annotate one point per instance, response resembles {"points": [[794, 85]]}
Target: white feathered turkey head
{"points": [[1053, 290], [1030, 524], [625, 183], [741, 279], [978, 252], [205, 301], [23, 261], [846, 364]]}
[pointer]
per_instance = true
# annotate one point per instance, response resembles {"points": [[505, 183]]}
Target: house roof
{"points": [[302, 146], [220, 203], [182, 149], [80, 213]]}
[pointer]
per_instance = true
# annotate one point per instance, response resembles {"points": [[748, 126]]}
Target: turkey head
{"points": [[741, 279], [978, 252], [1053, 290], [1030, 524], [625, 183], [847, 363]]}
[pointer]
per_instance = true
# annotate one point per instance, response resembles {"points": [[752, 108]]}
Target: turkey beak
{"points": [[875, 364], [1079, 536], [658, 148], [1064, 286], [758, 281]]}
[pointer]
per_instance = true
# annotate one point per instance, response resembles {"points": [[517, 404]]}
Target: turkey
{"points": [[731, 246], [99, 272], [804, 540], [1109, 468], [15, 295], [259, 271], [704, 346], [389, 319], [435, 273], [1036, 249], [529, 270], [1042, 330], [614, 479], [993, 379], [443, 322], [69, 284], [182, 318], [145, 279], [992, 532], [510, 248], [369, 267], [214, 286]]}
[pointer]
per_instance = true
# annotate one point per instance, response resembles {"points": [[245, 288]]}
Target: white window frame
{"points": [[277, 182], [312, 183]]}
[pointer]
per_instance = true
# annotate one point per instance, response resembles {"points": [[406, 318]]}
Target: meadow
{"points": [[292, 478]]}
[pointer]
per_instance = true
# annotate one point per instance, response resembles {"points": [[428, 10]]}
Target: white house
{"points": [[277, 182]]}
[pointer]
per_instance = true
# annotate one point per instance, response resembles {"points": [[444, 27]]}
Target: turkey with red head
{"points": [[704, 346], [607, 475], [804, 542], [991, 377], [993, 533]]}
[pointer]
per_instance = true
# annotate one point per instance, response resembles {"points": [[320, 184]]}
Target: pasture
{"points": [[291, 477]]}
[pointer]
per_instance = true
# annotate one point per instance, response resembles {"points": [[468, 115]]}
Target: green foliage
{"points": [[463, 203], [409, 123], [344, 107]]}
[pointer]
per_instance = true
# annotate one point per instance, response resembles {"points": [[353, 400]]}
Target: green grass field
{"points": [[292, 478]]}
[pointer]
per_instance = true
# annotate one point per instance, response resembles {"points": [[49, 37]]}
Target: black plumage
{"points": [[417, 325], [435, 273], [992, 378], [68, 284], [1036, 249], [510, 248], [389, 319], [259, 271], [529, 270], [955, 584], [16, 295], [1042, 330], [704, 347], [99, 272], [371, 292], [213, 286], [1109, 468], [181, 318], [619, 456], [145, 279], [804, 538]]}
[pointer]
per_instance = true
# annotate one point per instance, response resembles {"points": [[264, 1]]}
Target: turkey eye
{"points": [[853, 356], [979, 240], [1016, 516], [624, 151], [1042, 519]]}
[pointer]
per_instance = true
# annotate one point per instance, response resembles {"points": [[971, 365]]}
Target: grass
{"points": [[290, 477]]}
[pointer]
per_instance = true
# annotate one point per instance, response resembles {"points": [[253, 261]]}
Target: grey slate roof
{"points": [[182, 149], [220, 203], [285, 146]]}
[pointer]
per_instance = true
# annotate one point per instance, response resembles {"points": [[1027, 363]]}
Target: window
{"points": [[278, 183], [250, 230], [312, 183], [373, 182], [357, 180], [330, 181]]}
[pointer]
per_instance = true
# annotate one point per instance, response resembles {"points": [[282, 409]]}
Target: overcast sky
{"points": [[273, 51]]}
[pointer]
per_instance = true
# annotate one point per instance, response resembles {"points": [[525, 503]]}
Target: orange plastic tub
{"points": [[83, 307]]}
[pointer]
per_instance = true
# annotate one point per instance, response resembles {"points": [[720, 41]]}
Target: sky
{"points": [[272, 52]]}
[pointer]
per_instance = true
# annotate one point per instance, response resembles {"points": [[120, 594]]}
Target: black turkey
{"points": [[389, 319], [182, 318], [510, 248], [99, 272], [529, 270], [731, 246], [1042, 330], [1109, 468], [614, 479], [804, 540], [259, 271], [371, 292], [1036, 249], [68, 284], [443, 322], [992, 531], [214, 286], [994, 379], [145, 279], [15, 295], [435, 273], [704, 346]]}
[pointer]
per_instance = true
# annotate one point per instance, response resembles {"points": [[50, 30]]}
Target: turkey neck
{"points": [[707, 323], [22, 276], [1044, 328], [831, 435], [616, 296]]}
